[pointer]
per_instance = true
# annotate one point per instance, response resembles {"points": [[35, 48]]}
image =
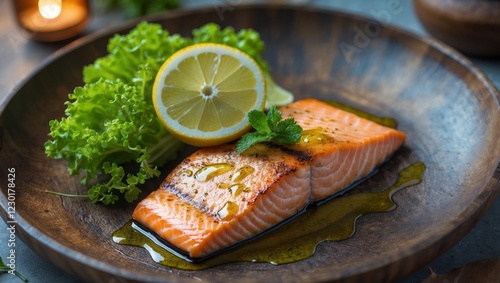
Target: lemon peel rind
{"points": [[194, 136]]}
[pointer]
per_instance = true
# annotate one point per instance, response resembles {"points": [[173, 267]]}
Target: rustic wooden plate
{"points": [[448, 108]]}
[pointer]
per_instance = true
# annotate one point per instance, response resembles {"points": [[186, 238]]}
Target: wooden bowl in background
{"points": [[470, 26]]}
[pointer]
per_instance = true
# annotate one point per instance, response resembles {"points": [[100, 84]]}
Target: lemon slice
{"points": [[276, 95], [203, 93]]}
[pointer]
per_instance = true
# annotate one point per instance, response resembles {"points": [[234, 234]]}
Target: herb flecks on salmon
{"points": [[226, 206]]}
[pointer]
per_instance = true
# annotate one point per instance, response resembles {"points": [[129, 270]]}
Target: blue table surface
{"points": [[19, 56]]}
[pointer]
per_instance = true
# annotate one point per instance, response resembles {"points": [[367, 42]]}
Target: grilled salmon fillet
{"points": [[217, 198], [343, 147]]}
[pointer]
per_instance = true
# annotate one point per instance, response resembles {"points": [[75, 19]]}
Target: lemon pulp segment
{"points": [[203, 93]]}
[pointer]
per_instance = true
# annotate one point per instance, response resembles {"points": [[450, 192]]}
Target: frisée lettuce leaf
{"points": [[136, 57], [109, 123]]}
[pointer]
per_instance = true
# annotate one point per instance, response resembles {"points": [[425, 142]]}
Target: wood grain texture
{"points": [[447, 107], [471, 26]]}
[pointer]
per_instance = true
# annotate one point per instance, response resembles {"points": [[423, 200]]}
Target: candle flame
{"points": [[49, 9]]}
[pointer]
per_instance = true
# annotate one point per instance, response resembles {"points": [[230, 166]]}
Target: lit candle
{"points": [[50, 9], [52, 20]]}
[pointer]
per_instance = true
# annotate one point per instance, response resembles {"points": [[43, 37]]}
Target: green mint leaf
{"points": [[258, 120], [288, 132], [273, 118], [250, 139], [269, 127]]}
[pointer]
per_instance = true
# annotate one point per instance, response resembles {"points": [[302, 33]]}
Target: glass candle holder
{"points": [[52, 20]]}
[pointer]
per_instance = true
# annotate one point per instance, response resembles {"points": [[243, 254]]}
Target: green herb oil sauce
{"points": [[333, 220]]}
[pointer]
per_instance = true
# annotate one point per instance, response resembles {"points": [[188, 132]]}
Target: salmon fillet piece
{"points": [[217, 198], [343, 146]]}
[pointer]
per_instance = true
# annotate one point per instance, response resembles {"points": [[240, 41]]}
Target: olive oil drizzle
{"points": [[334, 220], [385, 121]]}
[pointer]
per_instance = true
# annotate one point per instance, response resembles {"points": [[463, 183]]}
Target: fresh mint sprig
{"points": [[270, 127]]}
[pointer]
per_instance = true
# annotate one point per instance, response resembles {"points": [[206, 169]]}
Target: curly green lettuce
{"points": [[247, 40], [110, 122], [136, 57]]}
